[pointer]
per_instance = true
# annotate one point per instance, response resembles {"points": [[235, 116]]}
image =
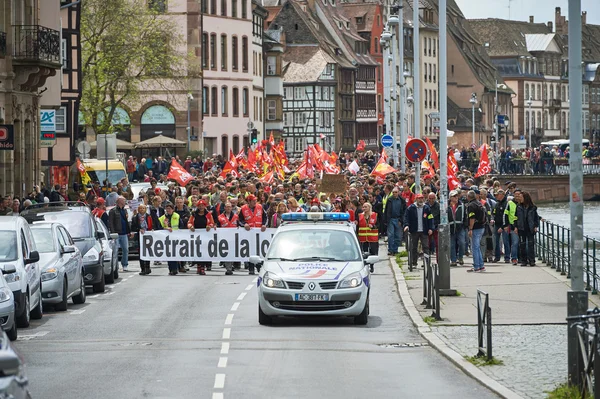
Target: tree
{"points": [[127, 45]]}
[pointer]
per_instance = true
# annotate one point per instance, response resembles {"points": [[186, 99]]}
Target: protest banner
{"points": [[333, 184], [220, 245]]}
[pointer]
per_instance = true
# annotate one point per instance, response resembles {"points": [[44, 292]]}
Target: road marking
{"points": [[229, 319], [222, 362], [32, 336], [93, 296], [219, 381], [255, 279], [242, 296], [235, 306], [249, 287], [224, 348], [78, 311], [226, 333], [217, 395]]}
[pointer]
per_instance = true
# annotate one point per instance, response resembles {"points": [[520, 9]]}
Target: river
{"points": [[560, 214]]}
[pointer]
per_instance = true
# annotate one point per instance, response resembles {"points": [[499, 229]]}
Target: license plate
{"points": [[312, 297]]}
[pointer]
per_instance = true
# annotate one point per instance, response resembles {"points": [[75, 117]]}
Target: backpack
{"points": [[480, 216]]}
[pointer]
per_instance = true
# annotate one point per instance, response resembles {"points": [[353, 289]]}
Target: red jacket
{"points": [[224, 221], [254, 219]]}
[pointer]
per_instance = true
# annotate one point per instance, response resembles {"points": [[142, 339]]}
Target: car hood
{"points": [[313, 270], [84, 245], [47, 260]]}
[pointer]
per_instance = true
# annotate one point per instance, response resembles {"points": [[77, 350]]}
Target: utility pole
{"points": [[577, 297], [392, 24], [387, 108], [401, 126], [417, 86]]}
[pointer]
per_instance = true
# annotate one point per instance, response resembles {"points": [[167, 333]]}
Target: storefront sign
{"points": [[7, 137], [47, 128], [158, 115], [222, 244]]}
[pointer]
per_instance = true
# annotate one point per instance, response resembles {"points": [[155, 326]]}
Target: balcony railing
{"points": [[366, 113], [362, 85], [34, 43], [2, 44]]}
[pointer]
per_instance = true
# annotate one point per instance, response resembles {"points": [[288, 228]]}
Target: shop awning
{"points": [[161, 141]]}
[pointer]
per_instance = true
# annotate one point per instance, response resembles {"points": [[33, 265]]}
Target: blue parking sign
{"points": [[387, 140]]}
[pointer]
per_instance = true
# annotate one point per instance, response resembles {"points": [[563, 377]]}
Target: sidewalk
{"points": [[529, 307]]}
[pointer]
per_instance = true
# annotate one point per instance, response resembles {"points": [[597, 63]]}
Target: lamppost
{"points": [[385, 40], [473, 102], [410, 100], [404, 126], [529, 102], [189, 124], [392, 24]]}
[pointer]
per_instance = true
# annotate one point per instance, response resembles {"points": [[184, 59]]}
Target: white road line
{"points": [[249, 287], [32, 336], [93, 296], [222, 362], [229, 319], [242, 296], [235, 306], [219, 381], [224, 348], [255, 279], [78, 311], [217, 395], [226, 333]]}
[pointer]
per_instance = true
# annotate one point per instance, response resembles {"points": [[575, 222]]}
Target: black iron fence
{"points": [[431, 289], [552, 246], [588, 335], [2, 44], [37, 43], [484, 325], [544, 166]]}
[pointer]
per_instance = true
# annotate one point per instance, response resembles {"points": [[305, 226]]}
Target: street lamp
{"points": [[473, 102], [189, 124], [410, 100], [529, 102]]}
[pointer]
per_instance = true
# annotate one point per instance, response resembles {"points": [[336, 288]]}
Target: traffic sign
{"points": [[387, 140], [434, 115], [416, 150], [501, 119]]}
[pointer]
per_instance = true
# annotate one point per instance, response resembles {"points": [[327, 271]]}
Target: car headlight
{"points": [[5, 294], [91, 256], [12, 277], [49, 274], [271, 280], [352, 281]]}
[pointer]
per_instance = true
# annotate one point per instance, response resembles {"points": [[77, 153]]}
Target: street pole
{"points": [[401, 127], [530, 123], [473, 119], [577, 297], [393, 23], [496, 112], [417, 86], [105, 163], [189, 124], [385, 39]]}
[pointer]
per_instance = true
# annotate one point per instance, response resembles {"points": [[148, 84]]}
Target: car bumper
{"points": [[7, 315], [93, 273], [52, 290], [108, 266], [342, 302]]}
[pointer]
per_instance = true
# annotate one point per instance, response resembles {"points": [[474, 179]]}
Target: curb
{"points": [[439, 345]]}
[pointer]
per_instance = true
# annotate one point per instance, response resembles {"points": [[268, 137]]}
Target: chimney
{"points": [[531, 19], [550, 26], [557, 11], [584, 17]]}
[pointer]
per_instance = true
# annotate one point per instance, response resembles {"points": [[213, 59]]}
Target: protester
{"points": [[528, 223], [118, 223], [418, 222], [140, 224]]}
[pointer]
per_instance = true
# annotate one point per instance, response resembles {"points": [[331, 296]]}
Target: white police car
{"points": [[314, 266]]}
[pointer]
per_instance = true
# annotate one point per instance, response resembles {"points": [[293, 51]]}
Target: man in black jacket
{"points": [[394, 215], [118, 223], [500, 223]]}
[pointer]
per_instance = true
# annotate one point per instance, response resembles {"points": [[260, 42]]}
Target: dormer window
{"points": [[333, 2], [340, 25], [359, 20], [347, 25]]}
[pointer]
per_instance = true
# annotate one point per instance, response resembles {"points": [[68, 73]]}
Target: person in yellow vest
{"points": [[171, 221], [368, 232]]}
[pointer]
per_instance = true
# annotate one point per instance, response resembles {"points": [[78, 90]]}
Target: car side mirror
{"points": [[68, 249], [114, 236], [8, 269], [255, 260], [372, 259], [34, 257], [9, 363], [100, 235]]}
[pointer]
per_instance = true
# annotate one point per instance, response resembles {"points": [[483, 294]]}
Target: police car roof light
{"points": [[315, 216]]}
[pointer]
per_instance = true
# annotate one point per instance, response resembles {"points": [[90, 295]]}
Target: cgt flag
{"points": [[179, 174], [484, 163]]}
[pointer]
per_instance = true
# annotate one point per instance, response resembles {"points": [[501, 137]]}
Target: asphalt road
{"points": [[190, 336]]}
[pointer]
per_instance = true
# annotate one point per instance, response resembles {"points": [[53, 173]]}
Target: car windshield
{"points": [[43, 240], [8, 246], [321, 245], [114, 176], [77, 223]]}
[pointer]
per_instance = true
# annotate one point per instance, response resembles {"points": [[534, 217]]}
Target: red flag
{"points": [[232, 159], [271, 139], [384, 155], [452, 163], [333, 158], [179, 174], [229, 168], [453, 182], [360, 146], [268, 178], [382, 169], [434, 155], [425, 164], [484, 163]]}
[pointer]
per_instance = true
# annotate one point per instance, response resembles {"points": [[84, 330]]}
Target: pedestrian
{"points": [[418, 222], [171, 221], [368, 231], [201, 219], [501, 239], [510, 226], [100, 212], [394, 217], [119, 224], [228, 219], [252, 215], [140, 224], [275, 220], [434, 208], [528, 223], [457, 221], [476, 214]]}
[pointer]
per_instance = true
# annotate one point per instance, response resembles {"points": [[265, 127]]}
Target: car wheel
{"points": [[12, 333], [38, 312], [363, 318], [24, 319], [62, 306], [110, 277], [116, 268], [99, 287], [263, 319], [80, 298]]}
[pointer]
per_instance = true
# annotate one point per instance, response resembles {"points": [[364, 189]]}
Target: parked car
{"points": [[111, 253], [79, 222], [13, 380], [7, 305], [18, 252], [61, 265]]}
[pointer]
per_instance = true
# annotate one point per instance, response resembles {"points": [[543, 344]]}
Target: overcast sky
{"points": [[542, 10]]}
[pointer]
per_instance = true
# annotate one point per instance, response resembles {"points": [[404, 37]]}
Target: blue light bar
{"points": [[315, 216]]}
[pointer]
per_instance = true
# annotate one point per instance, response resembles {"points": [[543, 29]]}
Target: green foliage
{"points": [[458, 293], [566, 391], [126, 46], [403, 254], [482, 361], [429, 320]]}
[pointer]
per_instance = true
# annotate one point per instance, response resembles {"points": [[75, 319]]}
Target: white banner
{"points": [[222, 244]]}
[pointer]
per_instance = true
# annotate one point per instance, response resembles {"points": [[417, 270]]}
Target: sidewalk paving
{"points": [[529, 307]]}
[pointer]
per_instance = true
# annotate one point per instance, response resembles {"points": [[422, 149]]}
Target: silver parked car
{"points": [[7, 305], [61, 265], [13, 380], [111, 252]]}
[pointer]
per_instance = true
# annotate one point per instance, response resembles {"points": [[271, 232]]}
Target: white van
{"points": [[18, 250]]}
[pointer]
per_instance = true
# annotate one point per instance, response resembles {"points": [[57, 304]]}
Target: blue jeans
{"points": [[514, 245], [506, 244], [394, 234], [123, 243], [476, 248], [458, 238]]}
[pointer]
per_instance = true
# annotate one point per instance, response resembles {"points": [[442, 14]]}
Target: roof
{"points": [[366, 11], [539, 42], [304, 64], [507, 38]]}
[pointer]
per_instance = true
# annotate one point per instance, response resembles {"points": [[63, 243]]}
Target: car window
{"points": [[76, 222], [61, 238], [66, 235], [44, 240], [314, 244], [8, 246], [24, 249]]}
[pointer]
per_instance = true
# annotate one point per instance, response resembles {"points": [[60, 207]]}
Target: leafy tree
{"points": [[127, 45]]}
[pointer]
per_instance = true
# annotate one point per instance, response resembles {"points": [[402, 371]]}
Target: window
{"points": [[260, 110], [429, 47], [434, 46], [223, 8], [245, 54], [288, 93], [271, 66], [224, 101], [425, 99], [159, 6], [298, 144], [205, 50], [532, 92], [205, 101], [300, 118], [260, 64], [234, 53], [223, 52], [213, 51], [299, 93], [65, 53], [213, 7], [326, 119], [213, 104], [235, 98], [326, 93], [288, 119], [245, 100], [234, 7], [244, 9], [271, 110], [526, 91], [204, 6], [61, 120]]}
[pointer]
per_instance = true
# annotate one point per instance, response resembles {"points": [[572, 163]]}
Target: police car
{"points": [[314, 266]]}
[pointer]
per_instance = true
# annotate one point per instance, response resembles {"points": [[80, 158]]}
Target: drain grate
{"points": [[405, 345]]}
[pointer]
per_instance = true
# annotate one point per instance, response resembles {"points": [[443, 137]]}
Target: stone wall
{"points": [[548, 189]]}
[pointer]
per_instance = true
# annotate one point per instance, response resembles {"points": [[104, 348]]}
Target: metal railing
{"points": [[37, 43], [2, 44], [552, 246], [431, 289], [588, 335], [484, 325]]}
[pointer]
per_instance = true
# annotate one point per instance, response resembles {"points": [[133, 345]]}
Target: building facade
{"points": [[273, 50]]}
